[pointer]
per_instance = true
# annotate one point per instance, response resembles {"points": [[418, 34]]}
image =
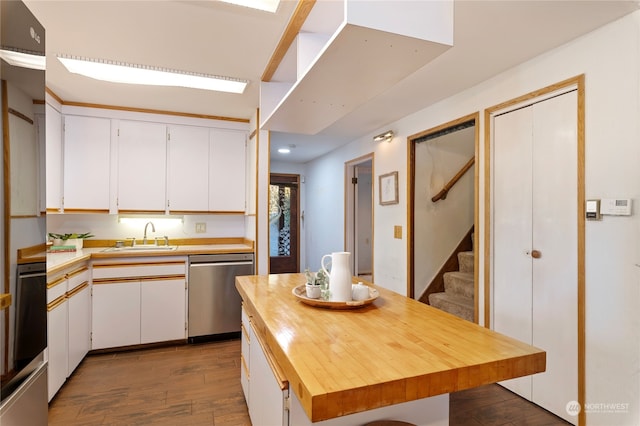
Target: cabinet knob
{"points": [[536, 254]]}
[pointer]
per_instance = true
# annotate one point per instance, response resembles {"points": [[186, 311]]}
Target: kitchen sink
{"points": [[141, 247]]}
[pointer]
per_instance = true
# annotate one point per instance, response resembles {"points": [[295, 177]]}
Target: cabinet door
{"points": [[57, 344], [266, 399], [142, 166], [115, 315], [163, 311], [245, 356], [53, 155], [87, 151], [188, 169], [227, 172], [79, 325]]}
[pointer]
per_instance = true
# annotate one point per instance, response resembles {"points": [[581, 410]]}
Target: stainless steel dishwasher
{"points": [[214, 303]]}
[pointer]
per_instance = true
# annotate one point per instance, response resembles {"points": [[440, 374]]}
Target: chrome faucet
{"points": [[153, 229]]}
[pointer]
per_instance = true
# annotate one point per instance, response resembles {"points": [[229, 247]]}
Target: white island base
{"points": [[432, 411]]}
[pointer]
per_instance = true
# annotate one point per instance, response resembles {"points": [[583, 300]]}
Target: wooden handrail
{"points": [[443, 193]]}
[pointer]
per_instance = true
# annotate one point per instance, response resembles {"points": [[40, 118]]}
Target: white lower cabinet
{"points": [[137, 303], [162, 310], [265, 393], [68, 324], [79, 325], [116, 314], [57, 334]]}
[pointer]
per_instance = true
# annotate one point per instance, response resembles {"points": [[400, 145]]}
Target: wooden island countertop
{"points": [[394, 350]]}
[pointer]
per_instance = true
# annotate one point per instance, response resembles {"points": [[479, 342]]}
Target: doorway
{"points": [[359, 215], [284, 223], [443, 209]]}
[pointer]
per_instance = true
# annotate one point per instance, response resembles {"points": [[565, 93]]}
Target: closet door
{"points": [[555, 236], [512, 266], [535, 252]]}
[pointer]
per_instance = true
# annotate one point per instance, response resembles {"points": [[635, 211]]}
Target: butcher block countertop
{"points": [[394, 350]]}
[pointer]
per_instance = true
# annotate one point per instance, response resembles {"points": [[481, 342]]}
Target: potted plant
{"points": [[69, 239], [316, 283]]}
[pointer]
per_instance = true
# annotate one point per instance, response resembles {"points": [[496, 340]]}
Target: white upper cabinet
{"points": [[53, 156], [86, 169], [142, 166], [348, 52], [188, 169], [227, 170]]}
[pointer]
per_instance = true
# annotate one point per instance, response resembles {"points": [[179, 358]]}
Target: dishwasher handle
{"points": [[197, 265]]}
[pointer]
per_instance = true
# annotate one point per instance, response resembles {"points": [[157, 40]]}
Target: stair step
{"points": [[459, 306], [459, 284], [465, 260]]}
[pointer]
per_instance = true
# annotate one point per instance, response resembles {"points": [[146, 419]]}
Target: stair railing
{"points": [[443, 193]]}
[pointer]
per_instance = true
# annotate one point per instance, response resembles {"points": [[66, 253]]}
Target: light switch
{"points": [[592, 210], [397, 232], [201, 228]]}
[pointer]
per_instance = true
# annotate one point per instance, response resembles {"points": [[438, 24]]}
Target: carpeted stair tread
{"points": [[465, 260], [459, 284], [457, 305]]}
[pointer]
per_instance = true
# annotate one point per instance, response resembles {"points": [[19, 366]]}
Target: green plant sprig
{"points": [[70, 236]]}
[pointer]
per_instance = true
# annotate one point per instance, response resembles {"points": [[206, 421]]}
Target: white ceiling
{"points": [[211, 37]]}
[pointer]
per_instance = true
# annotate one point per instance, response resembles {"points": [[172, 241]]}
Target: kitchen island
{"points": [[391, 352]]}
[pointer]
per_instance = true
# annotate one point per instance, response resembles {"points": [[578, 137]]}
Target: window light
{"points": [[266, 5], [120, 72], [24, 60]]}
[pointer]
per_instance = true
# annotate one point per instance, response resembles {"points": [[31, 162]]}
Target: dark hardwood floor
{"points": [[200, 385]]}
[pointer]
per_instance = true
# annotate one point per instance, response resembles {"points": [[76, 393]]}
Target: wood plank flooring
{"points": [[200, 385]]}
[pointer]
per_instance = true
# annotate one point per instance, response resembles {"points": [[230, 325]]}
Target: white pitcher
{"points": [[339, 276]]}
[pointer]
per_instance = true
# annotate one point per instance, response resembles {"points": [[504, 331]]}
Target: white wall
{"points": [[108, 227], [610, 59]]}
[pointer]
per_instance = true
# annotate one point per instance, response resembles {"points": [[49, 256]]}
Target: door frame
{"points": [[411, 176], [349, 214], [574, 83]]}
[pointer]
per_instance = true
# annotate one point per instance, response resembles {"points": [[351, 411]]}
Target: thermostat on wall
{"points": [[616, 206]]}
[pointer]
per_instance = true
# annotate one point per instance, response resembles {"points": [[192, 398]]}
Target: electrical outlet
{"points": [[201, 228], [397, 232]]}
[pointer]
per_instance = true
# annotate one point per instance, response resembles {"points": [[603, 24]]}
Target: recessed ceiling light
{"points": [[266, 5], [120, 72], [284, 150]]}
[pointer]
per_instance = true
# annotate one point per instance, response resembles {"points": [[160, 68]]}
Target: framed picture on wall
{"points": [[388, 188]]}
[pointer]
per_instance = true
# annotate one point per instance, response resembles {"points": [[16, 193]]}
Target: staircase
{"points": [[457, 298]]}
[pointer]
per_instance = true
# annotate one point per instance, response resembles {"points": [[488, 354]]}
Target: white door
{"points": [[115, 315], [162, 310], [227, 172], [79, 327], [142, 166], [86, 163], [188, 169], [535, 272]]}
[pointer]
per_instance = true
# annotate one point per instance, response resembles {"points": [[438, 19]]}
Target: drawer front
{"points": [[138, 270], [56, 288], [78, 277]]}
